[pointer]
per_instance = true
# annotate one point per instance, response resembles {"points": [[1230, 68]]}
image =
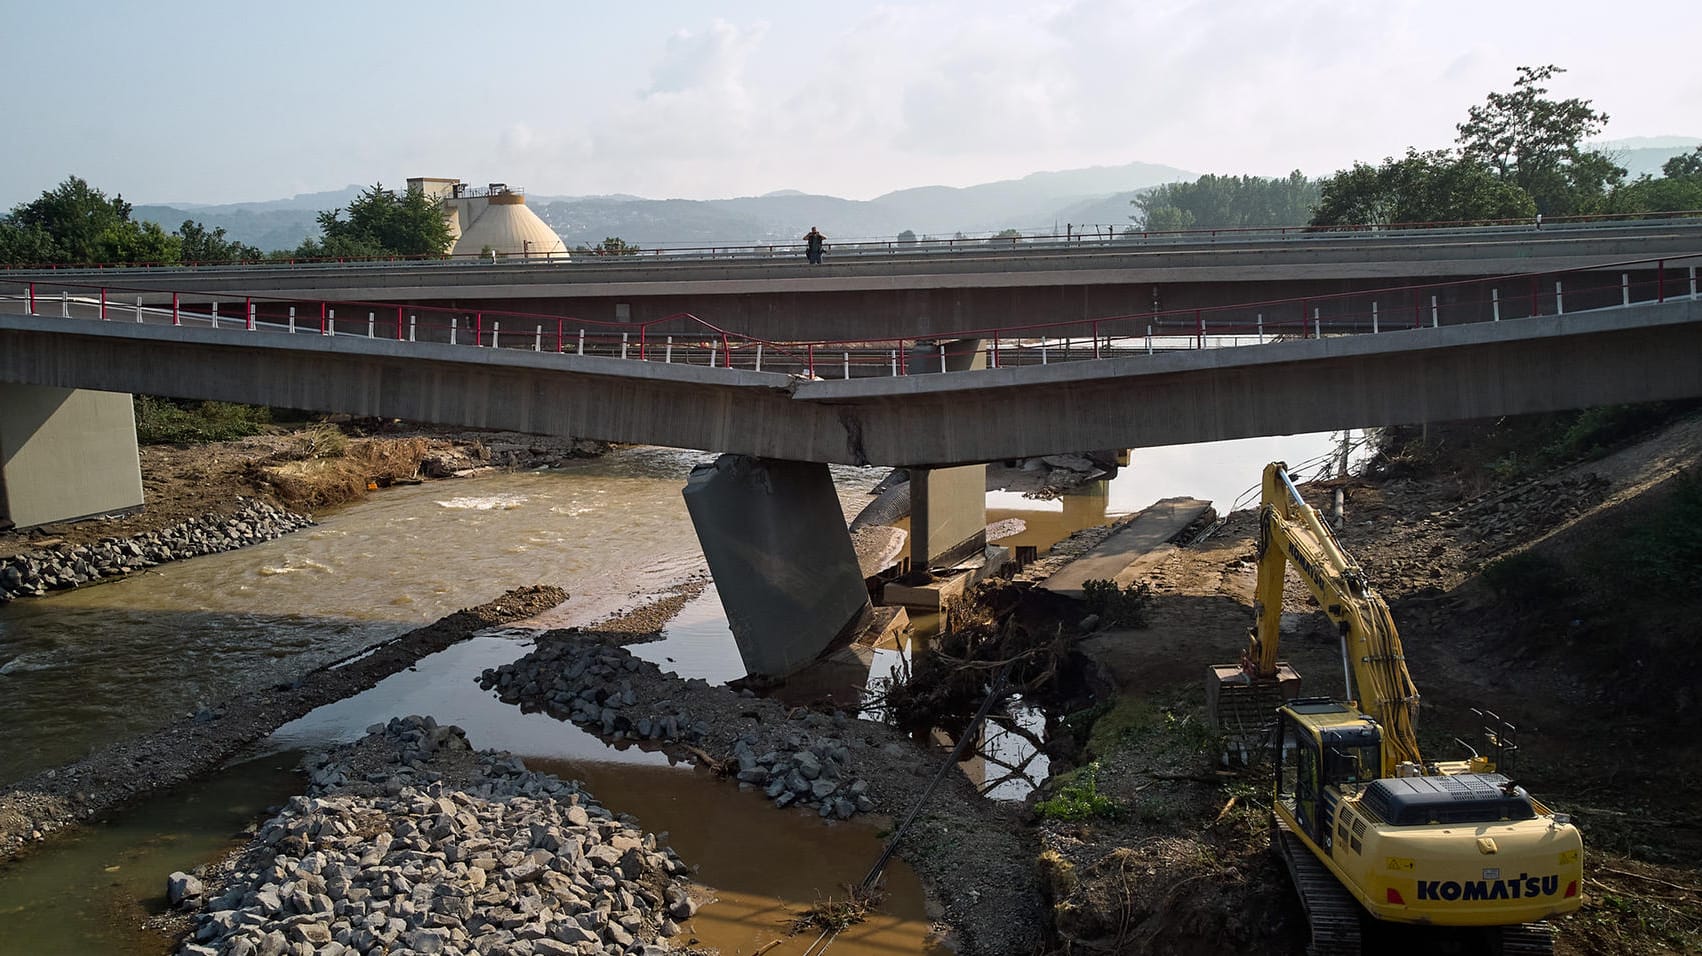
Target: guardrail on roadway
{"points": [[685, 338], [867, 248]]}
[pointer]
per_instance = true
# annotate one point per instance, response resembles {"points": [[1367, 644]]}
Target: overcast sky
{"points": [[223, 102]]}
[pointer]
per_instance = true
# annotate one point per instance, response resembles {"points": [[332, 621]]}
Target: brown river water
{"points": [[81, 668]]}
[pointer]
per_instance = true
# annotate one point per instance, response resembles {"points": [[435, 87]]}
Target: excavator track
{"points": [[1528, 939], [1332, 915]]}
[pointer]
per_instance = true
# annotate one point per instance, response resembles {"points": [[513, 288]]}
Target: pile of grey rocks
{"points": [[796, 758], [463, 853], [592, 685], [806, 771], [34, 573]]}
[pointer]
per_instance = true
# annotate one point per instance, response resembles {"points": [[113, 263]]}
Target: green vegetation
{"points": [[1678, 187], [1117, 606], [1520, 154], [165, 421], [1435, 186], [1228, 202], [77, 224], [610, 246], [1536, 143], [1664, 549], [1115, 721], [1175, 733], [1517, 447], [1527, 580], [381, 222], [1076, 798], [198, 244]]}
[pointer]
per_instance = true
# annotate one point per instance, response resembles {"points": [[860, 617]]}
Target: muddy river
{"points": [[78, 669]]}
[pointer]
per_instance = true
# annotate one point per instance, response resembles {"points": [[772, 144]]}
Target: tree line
{"points": [[1519, 155], [77, 224]]}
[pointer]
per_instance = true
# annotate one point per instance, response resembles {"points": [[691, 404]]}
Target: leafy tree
{"points": [[1678, 188], [76, 223], [1165, 217], [610, 246], [1228, 202], [1687, 165], [198, 244], [907, 237], [1536, 143], [382, 222], [25, 245], [1007, 236], [1521, 153], [1434, 186], [137, 242]]}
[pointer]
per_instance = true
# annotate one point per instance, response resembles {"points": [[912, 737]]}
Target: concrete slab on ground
{"points": [[1126, 553], [931, 596]]}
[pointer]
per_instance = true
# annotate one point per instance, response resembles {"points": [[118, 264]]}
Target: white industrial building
{"points": [[493, 220]]}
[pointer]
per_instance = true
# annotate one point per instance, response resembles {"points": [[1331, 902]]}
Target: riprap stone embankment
{"points": [[34, 573], [408, 841]]}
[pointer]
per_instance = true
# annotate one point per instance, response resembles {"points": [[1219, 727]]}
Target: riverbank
{"points": [[35, 808], [63, 565], [196, 498]]}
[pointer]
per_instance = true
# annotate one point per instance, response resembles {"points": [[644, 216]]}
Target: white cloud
{"points": [[661, 99]]}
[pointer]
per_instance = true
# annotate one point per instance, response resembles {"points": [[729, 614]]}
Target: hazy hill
{"points": [[1039, 202], [1036, 201], [1645, 154], [1032, 203], [271, 224]]}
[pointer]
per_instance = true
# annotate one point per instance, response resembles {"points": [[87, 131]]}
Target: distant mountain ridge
{"points": [[1644, 155], [1033, 203], [1088, 199]]}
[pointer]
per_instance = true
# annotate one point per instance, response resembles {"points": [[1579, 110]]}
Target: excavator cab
{"points": [[1324, 749]]}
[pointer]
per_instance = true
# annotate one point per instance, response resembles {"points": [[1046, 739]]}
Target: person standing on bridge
{"points": [[813, 242]]}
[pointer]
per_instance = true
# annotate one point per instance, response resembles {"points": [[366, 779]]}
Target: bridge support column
{"points": [[948, 515], [775, 538], [65, 454], [948, 506]]}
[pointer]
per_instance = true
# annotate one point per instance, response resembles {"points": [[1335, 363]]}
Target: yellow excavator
{"points": [[1364, 823]]}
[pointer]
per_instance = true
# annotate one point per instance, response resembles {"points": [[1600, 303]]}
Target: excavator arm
{"points": [[1373, 663]]}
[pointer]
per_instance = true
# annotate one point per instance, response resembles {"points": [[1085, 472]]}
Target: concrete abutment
{"points": [[66, 454]]}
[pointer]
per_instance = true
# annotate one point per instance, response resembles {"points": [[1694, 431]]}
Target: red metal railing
{"points": [[687, 338]]}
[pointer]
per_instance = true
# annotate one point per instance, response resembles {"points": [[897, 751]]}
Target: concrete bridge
{"points": [[891, 291], [766, 512]]}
